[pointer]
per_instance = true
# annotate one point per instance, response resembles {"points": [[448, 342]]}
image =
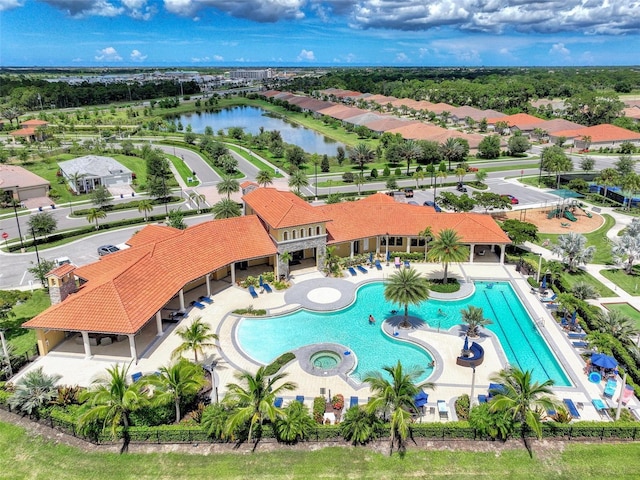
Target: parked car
{"points": [[62, 261], [408, 192], [107, 249], [461, 187], [512, 199], [433, 205]]}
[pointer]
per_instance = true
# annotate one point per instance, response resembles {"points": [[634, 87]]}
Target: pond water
{"points": [[252, 118]]}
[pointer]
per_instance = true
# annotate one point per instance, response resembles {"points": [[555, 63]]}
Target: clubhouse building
{"points": [[166, 270]]}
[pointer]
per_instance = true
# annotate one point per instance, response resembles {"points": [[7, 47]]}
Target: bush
{"points": [[318, 409], [462, 407], [374, 173], [398, 172], [451, 286], [275, 366], [347, 177], [386, 172]]}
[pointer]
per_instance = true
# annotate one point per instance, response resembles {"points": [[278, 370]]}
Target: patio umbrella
{"points": [[370, 257], [466, 344], [544, 283], [604, 361], [260, 280], [574, 317], [388, 256], [421, 399]]}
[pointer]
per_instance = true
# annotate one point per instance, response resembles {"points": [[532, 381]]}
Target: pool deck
{"points": [[311, 289]]}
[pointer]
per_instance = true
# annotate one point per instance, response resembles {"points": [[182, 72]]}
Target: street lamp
{"points": [[15, 210], [214, 389], [541, 161], [539, 268], [315, 166]]}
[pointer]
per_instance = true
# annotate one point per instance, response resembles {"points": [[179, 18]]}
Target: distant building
{"points": [[251, 74], [20, 184], [31, 130], [84, 174]]}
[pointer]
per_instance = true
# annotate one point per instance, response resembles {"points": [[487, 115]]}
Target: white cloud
{"points": [[306, 55], [137, 56], [138, 9], [559, 49], [263, 11], [218, 58], [199, 59], [108, 54], [9, 4], [402, 57]]}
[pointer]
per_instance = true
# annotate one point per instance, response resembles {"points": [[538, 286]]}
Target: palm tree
{"points": [[474, 318], [359, 181], [441, 176], [175, 382], [618, 325], [297, 180], [396, 396], [255, 401], [360, 426], [197, 198], [427, 234], [75, 181], [447, 248], [195, 338], [406, 287], [296, 424], [523, 399], [94, 215], [264, 178], [418, 175], [608, 178], [452, 150], [111, 400], [626, 251], [226, 208], [361, 154], [34, 390], [584, 291], [410, 150], [228, 185], [572, 249], [145, 206], [285, 258]]}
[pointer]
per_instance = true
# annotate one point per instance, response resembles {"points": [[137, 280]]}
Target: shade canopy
{"points": [[604, 361], [421, 399]]}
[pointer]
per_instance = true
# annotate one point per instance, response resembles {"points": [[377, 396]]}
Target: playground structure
{"points": [[568, 211]]}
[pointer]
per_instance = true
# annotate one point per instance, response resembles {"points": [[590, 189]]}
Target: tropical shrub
{"points": [[319, 406], [296, 425], [462, 407]]}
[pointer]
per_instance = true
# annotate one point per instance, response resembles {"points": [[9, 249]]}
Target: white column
{"points": [[472, 248], [159, 323], [377, 245], [181, 295], [502, 255], [132, 348], [408, 244], [87, 345], [208, 280], [233, 273], [350, 249]]}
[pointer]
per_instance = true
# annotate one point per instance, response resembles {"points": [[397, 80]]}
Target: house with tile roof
{"points": [[599, 136], [20, 184], [128, 295], [519, 121], [84, 174]]}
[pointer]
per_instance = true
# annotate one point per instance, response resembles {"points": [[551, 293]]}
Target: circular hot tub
{"points": [[325, 359]]}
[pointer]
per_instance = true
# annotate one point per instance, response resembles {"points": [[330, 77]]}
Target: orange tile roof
{"points": [[281, 209], [34, 123], [520, 120], [440, 107], [418, 131], [151, 233], [62, 270], [24, 132], [125, 289], [380, 214], [601, 133]]}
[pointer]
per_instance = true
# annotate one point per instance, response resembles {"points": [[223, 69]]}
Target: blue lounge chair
{"points": [[580, 344], [300, 398], [267, 288], [277, 402], [576, 336], [198, 305], [610, 388], [552, 298], [378, 266], [361, 269], [136, 376], [253, 292], [482, 399], [600, 407], [571, 407], [206, 300], [352, 271], [495, 389], [353, 402], [407, 264]]}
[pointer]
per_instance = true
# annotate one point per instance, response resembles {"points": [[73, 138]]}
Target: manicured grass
{"points": [[253, 160], [23, 456], [23, 340], [597, 238], [580, 276], [183, 170], [629, 283], [625, 309]]}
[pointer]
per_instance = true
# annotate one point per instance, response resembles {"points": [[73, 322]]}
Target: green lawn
{"points": [[24, 457], [23, 340], [183, 170], [625, 309], [629, 283], [580, 276], [597, 238]]}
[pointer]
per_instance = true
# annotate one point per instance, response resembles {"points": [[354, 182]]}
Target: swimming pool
{"points": [[265, 339]]}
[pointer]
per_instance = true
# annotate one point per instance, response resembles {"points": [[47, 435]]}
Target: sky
{"points": [[329, 33]]}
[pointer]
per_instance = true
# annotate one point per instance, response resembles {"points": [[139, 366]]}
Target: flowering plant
{"points": [[337, 402]]}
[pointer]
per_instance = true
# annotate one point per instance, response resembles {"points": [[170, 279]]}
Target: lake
{"points": [[252, 118]]}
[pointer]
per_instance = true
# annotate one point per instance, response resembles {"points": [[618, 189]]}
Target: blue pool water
{"points": [[524, 347]]}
